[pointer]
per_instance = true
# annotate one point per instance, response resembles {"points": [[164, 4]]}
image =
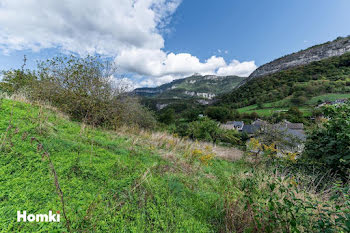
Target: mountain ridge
{"points": [[195, 86], [319, 52]]}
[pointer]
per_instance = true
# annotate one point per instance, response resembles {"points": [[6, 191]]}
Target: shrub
{"points": [[294, 115], [85, 88], [230, 136], [268, 203], [129, 111], [330, 143], [16, 80], [209, 130], [204, 129]]}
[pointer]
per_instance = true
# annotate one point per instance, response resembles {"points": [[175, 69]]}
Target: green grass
{"points": [[269, 111], [109, 184], [118, 182], [266, 111], [272, 107], [327, 97]]}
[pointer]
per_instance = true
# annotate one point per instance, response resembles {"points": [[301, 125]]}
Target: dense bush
{"points": [[268, 203], [82, 87], [209, 130], [204, 129], [289, 198], [167, 116], [330, 143], [16, 80]]}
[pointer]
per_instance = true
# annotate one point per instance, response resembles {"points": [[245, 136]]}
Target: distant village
{"points": [[289, 129]]}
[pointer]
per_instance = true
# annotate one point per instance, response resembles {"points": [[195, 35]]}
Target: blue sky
{"points": [[156, 41], [259, 30]]}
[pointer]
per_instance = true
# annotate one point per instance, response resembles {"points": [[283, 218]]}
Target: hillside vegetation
{"points": [[137, 181], [318, 52], [298, 84]]}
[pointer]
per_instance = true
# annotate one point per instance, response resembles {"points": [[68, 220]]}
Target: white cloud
{"points": [[164, 67], [243, 69], [83, 26], [157, 63], [129, 30]]}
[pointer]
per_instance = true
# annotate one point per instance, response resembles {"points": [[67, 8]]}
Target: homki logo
{"points": [[38, 217]]}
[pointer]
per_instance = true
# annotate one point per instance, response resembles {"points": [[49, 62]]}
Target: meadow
{"points": [[132, 180], [110, 182], [270, 108]]}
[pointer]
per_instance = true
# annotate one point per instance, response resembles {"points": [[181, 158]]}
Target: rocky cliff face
{"points": [[316, 53]]}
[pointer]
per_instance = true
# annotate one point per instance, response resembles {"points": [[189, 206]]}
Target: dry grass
{"points": [[45, 105], [171, 145]]}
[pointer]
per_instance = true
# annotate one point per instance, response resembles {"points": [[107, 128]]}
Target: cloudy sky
{"points": [[157, 41]]}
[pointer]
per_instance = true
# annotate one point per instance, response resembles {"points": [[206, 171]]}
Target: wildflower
{"points": [[293, 182], [292, 156]]}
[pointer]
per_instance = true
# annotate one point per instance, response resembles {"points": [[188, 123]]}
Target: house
{"points": [[254, 128], [237, 125], [251, 130], [299, 136], [259, 122], [291, 135], [335, 102], [339, 101], [293, 126]]}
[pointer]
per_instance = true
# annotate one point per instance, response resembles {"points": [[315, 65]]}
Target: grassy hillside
{"points": [[267, 109], [110, 182], [327, 97], [137, 181], [296, 85]]}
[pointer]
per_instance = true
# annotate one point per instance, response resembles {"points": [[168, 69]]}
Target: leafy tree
{"points": [[191, 114], [330, 143], [167, 116], [298, 100], [294, 115], [209, 130], [254, 116], [204, 129], [218, 113], [260, 105], [272, 134]]}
